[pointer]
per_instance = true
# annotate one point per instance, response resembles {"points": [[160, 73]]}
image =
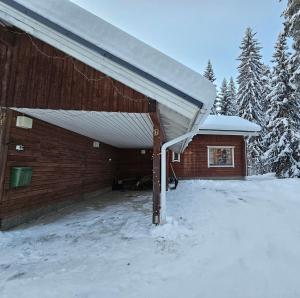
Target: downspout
{"points": [[163, 177]]}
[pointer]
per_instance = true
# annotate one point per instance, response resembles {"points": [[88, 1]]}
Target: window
{"points": [[175, 157], [221, 156]]}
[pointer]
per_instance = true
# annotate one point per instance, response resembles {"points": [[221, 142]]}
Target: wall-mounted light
{"points": [[143, 151], [24, 122], [96, 144], [20, 148]]}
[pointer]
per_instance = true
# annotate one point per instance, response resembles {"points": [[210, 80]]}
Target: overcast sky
{"points": [[193, 31]]}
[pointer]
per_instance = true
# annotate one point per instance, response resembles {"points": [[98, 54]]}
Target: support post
{"points": [[156, 172]]}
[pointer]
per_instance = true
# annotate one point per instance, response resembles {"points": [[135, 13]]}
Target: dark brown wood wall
{"points": [[65, 166], [134, 164], [36, 75], [193, 162]]}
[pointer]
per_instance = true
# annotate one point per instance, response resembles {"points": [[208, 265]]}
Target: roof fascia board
{"points": [[228, 132]]}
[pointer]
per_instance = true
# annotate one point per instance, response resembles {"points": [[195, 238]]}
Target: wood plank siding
{"points": [[65, 167], [194, 161], [36, 75]]}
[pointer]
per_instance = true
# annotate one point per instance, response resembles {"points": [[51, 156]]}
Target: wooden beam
{"points": [[152, 105], [157, 140], [5, 125], [156, 121]]}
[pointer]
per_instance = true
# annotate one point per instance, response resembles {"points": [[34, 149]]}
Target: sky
{"points": [[193, 31]]}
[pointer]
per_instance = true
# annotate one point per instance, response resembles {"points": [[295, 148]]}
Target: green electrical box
{"points": [[20, 176]]}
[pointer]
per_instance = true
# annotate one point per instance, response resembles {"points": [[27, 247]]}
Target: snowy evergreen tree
{"points": [[215, 106], [266, 81], [210, 75], [232, 107], [292, 24], [250, 91], [209, 72], [282, 140], [226, 100], [250, 94], [222, 99]]}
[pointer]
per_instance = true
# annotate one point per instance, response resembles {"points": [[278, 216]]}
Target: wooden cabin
{"points": [[218, 151], [82, 104]]}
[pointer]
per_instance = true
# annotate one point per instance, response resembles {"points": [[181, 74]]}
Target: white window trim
{"points": [[173, 157], [219, 147]]}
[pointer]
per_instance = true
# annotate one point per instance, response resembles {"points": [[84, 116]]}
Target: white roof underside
{"points": [[221, 123], [177, 114], [121, 130]]}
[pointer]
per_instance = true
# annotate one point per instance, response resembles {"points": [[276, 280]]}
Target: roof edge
{"points": [[39, 18], [228, 132]]}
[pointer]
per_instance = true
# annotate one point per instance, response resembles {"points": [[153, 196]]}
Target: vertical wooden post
{"points": [[5, 124], [156, 172], [168, 169]]}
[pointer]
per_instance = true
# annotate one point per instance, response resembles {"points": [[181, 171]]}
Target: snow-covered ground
{"points": [[225, 239]]}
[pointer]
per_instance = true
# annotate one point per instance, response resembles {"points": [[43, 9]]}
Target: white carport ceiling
{"points": [[122, 130]]}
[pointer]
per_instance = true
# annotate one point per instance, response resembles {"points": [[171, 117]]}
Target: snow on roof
{"points": [[184, 96], [95, 30], [229, 123]]}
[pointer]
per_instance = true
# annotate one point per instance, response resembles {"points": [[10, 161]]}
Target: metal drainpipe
{"points": [[164, 171]]}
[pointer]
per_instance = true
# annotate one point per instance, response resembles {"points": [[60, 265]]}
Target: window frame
{"points": [[173, 157], [221, 166]]}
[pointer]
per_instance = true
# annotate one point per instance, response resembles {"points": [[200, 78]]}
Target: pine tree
{"points": [[250, 93], [214, 107], [282, 140], [210, 75], [251, 70], [232, 107], [292, 26], [222, 99], [266, 81], [209, 72]]}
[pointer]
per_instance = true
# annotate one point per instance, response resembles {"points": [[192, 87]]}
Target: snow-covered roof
{"points": [[228, 125], [88, 38]]}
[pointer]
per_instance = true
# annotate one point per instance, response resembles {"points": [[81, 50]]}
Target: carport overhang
{"points": [[184, 98]]}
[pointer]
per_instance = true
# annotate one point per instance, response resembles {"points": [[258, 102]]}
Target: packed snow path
{"points": [[225, 239]]}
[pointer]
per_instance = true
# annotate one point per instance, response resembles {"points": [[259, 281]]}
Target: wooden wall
{"points": [[65, 166], [134, 164], [193, 163], [36, 75]]}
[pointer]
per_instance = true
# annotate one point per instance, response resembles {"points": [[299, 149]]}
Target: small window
{"points": [[221, 157], [175, 157]]}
